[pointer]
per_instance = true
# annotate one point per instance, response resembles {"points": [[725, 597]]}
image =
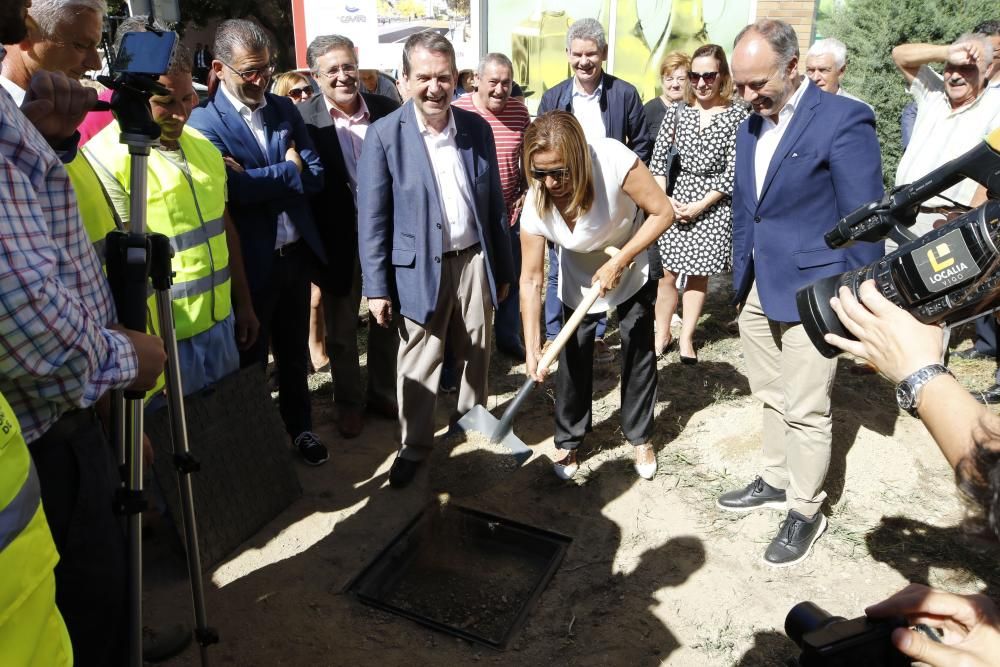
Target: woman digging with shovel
{"points": [[588, 199]]}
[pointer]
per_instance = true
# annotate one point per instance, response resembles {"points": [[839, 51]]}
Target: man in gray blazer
{"points": [[433, 241]]}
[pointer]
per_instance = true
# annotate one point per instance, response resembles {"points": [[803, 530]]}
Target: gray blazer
{"points": [[400, 218]]}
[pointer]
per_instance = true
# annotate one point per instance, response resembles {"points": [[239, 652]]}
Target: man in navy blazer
{"points": [[606, 106], [433, 241], [272, 168], [804, 159]]}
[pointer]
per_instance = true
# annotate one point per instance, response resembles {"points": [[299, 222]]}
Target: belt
{"points": [[288, 249], [455, 253]]}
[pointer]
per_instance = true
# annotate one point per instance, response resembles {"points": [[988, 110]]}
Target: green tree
{"points": [[274, 15], [871, 28]]}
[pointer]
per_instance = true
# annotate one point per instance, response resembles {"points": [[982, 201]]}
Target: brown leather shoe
{"points": [[350, 422], [383, 407]]}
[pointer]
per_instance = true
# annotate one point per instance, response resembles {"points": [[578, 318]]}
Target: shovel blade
{"points": [[479, 419]]}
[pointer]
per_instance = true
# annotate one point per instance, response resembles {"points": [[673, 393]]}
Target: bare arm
{"points": [[532, 284], [909, 58], [649, 196]]}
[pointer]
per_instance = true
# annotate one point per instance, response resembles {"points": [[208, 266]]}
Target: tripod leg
{"points": [[134, 523], [185, 464]]}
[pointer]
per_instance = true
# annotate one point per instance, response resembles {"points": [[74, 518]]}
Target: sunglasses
{"points": [[296, 93], [558, 174], [708, 77]]}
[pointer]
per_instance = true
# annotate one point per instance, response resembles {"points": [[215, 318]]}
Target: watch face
{"points": [[904, 395]]}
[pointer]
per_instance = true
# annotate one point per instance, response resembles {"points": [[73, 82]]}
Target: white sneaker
{"points": [[645, 461]]}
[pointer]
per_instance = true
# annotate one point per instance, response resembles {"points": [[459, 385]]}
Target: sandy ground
{"points": [[655, 574]]}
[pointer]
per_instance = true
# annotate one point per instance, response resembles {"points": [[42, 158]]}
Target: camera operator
{"points": [[969, 436]]}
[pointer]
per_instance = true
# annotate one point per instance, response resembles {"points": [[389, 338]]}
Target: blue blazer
{"points": [[400, 218], [621, 111], [827, 164], [270, 185]]}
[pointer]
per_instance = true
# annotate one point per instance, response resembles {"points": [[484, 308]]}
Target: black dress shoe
{"points": [[402, 472], [795, 539], [972, 353], [690, 361], [989, 397], [758, 494]]}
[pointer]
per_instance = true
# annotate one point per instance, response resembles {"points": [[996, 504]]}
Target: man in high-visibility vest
{"points": [[186, 201]]}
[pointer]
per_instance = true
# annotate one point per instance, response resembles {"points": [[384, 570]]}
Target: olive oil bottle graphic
{"points": [[538, 47]]}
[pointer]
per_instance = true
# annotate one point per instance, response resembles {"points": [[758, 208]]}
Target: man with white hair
{"points": [[826, 63], [954, 112]]}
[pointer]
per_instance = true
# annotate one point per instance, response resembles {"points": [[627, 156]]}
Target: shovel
{"points": [[500, 431]]}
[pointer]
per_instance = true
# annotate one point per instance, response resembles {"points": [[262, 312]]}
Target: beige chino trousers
{"points": [[793, 381]]}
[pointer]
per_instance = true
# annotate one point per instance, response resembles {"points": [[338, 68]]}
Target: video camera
{"points": [[833, 641], [948, 275]]}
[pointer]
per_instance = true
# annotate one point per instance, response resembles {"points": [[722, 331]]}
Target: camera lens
{"points": [[806, 617]]}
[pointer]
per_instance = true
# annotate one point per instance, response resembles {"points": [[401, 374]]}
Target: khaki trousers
{"points": [[793, 380], [463, 316]]}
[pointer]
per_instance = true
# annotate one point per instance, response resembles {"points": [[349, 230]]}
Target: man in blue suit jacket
{"points": [[433, 241], [804, 159], [272, 168]]}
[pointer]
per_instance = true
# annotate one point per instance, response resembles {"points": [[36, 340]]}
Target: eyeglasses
{"points": [[251, 75], [671, 79], [296, 93], [559, 174], [708, 77], [334, 72]]}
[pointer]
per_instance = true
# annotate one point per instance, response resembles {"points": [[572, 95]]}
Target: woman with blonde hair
{"points": [[700, 244], [673, 83], [584, 198], [293, 85]]}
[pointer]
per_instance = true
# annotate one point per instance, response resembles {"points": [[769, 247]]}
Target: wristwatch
{"points": [[908, 391]]}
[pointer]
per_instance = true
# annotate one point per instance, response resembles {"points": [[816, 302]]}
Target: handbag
{"points": [[673, 157]]}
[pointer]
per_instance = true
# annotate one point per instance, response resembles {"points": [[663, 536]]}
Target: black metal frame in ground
{"points": [[452, 531]]}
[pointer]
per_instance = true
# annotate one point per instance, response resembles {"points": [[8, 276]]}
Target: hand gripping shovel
{"points": [[501, 430]]}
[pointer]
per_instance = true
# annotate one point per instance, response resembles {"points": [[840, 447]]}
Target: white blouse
{"points": [[611, 221]]}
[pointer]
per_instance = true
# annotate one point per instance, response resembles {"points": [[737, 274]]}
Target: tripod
{"points": [[134, 260]]}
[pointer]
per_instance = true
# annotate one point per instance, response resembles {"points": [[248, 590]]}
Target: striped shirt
{"points": [[508, 132], [56, 352]]}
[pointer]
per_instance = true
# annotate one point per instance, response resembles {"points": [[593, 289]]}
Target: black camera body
{"points": [[949, 275], [833, 641]]}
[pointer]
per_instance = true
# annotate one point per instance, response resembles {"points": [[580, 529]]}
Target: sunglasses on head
{"points": [[709, 77], [558, 174], [296, 93]]}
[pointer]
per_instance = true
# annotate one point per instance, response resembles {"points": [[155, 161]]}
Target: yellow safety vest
{"points": [[98, 219], [189, 211], [32, 631]]}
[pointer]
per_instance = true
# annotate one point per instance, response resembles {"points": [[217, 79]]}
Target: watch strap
{"points": [[916, 381]]}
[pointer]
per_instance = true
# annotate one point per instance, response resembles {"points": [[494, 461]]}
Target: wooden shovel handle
{"points": [[569, 328]]}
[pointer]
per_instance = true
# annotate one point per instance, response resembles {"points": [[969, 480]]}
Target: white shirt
{"points": [[771, 133], [16, 91], [612, 220], [941, 134], [254, 118], [587, 109], [454, 192], [351, 132]]}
